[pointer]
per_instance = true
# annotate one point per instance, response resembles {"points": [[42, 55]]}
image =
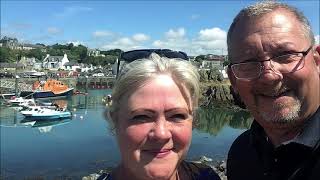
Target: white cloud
{"points": [[317, 38], [70, 11], [123, 43], [140, 37], [195, 16], [212, 34], [173, 44], [53, 30], [76, 43], [207, 41], [175, 34], [101, 34]]}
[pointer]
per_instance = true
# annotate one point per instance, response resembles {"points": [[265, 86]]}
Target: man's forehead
{"points": [[279, 21], [277, 28]]}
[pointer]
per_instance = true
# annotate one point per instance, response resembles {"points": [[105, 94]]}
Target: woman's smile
{"points": [[158, 153]]}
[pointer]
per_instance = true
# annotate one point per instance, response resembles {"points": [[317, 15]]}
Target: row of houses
{"points": [[13, 43], [50, 63], [54, 63]]}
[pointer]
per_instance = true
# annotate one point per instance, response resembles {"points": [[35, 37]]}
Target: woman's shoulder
{"points": [[199, 171]]}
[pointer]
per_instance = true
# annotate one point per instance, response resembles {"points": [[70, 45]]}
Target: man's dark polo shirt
{"points": [[253, 157]]}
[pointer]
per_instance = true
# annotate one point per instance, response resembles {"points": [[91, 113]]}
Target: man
{"points": [[275, 69]]}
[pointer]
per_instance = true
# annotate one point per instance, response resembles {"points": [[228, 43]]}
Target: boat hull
{"points": [[46, 94], [53, 116]]}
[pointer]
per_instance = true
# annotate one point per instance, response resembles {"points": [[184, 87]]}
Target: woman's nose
{"points": [[161, 130]]}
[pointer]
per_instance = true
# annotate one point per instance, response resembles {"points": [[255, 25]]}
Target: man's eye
{"points": [[288, 58]]}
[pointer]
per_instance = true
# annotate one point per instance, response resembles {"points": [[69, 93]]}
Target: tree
{"points": [[113, 52], [226, 61], [37, 53], [4, 54], [80, 51], [200, 58], [70, 46]]}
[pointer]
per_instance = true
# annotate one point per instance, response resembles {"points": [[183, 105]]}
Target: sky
{"points": [[194, 26]]}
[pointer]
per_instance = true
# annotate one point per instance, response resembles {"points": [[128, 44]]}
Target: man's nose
{"points": [[269, 73]]}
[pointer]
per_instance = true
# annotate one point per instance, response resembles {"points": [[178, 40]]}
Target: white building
{"points": [[55, 62]]}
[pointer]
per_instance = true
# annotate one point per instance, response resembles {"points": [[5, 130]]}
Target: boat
{"points": [[5, 97], [20, 101], [32, 74], [77, 92], [40, 112], [48, 89]]}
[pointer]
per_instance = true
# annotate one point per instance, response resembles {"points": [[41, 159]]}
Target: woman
{"points": [[153, 102]]}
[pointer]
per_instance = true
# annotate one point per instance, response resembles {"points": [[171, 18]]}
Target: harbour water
{"points": [[84, 144]]}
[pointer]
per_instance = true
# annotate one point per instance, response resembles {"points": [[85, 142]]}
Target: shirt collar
{"points": [[311, 132], [308, 137]]}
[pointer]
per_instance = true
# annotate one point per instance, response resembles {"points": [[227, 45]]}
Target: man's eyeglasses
{"points": [[130, 56], [286, 63]]}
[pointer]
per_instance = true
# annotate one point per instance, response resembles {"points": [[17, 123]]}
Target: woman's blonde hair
{"points": [[137, 73]]}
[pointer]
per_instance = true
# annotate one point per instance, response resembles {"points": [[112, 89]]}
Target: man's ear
{"points": [[316, 56], [232, 79]]}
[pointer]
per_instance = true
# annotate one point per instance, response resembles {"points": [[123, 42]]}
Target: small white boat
{"points": [[40, 112], [20, 101]]}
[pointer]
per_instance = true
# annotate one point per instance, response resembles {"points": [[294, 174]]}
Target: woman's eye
{"points": [[178, 117], [140, 118]]}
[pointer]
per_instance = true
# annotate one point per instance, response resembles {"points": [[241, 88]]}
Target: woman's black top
{"points": [[196, 171]]}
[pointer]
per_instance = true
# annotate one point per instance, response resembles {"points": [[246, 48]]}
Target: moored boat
{"points": [[48, 89], [20, 101], [39, 112]]}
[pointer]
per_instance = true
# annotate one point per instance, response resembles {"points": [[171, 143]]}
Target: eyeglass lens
{"points": [[281, 64]]}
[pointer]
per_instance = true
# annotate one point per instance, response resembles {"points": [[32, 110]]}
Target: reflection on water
{"points": [[213, 120], [88, 136], [44, 125]]}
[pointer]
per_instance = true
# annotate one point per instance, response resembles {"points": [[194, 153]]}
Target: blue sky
{"points": [[196, 27]]}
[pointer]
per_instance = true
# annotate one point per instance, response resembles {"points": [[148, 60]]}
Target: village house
{"points": [[212, 61], [94, 52], [54, 62], [72, 66], [28, 62], [86, 67], [26, 46], [13, 43], [11, 66]]}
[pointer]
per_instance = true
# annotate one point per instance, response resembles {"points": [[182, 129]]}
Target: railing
{"points": [[11, 85]]}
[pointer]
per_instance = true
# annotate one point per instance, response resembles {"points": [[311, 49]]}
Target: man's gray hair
{"points": [[261, 8], [137, 73]]}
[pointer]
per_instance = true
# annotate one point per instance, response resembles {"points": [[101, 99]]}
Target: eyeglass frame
{"points": [[304, 54], [160, 52]]}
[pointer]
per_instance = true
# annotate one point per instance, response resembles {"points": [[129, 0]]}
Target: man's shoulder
{"points": [[241, 142], [243, 156]]}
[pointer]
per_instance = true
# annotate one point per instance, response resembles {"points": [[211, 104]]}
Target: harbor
{"points": [[71, 148]]}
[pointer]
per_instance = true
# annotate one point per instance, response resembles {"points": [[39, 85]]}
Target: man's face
{"points": [[275, 98]]}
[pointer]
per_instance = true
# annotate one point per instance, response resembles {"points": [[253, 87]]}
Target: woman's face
{"points": [[154, 129]]}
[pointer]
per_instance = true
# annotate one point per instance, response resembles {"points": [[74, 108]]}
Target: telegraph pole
{"points": [[16, 77]]}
